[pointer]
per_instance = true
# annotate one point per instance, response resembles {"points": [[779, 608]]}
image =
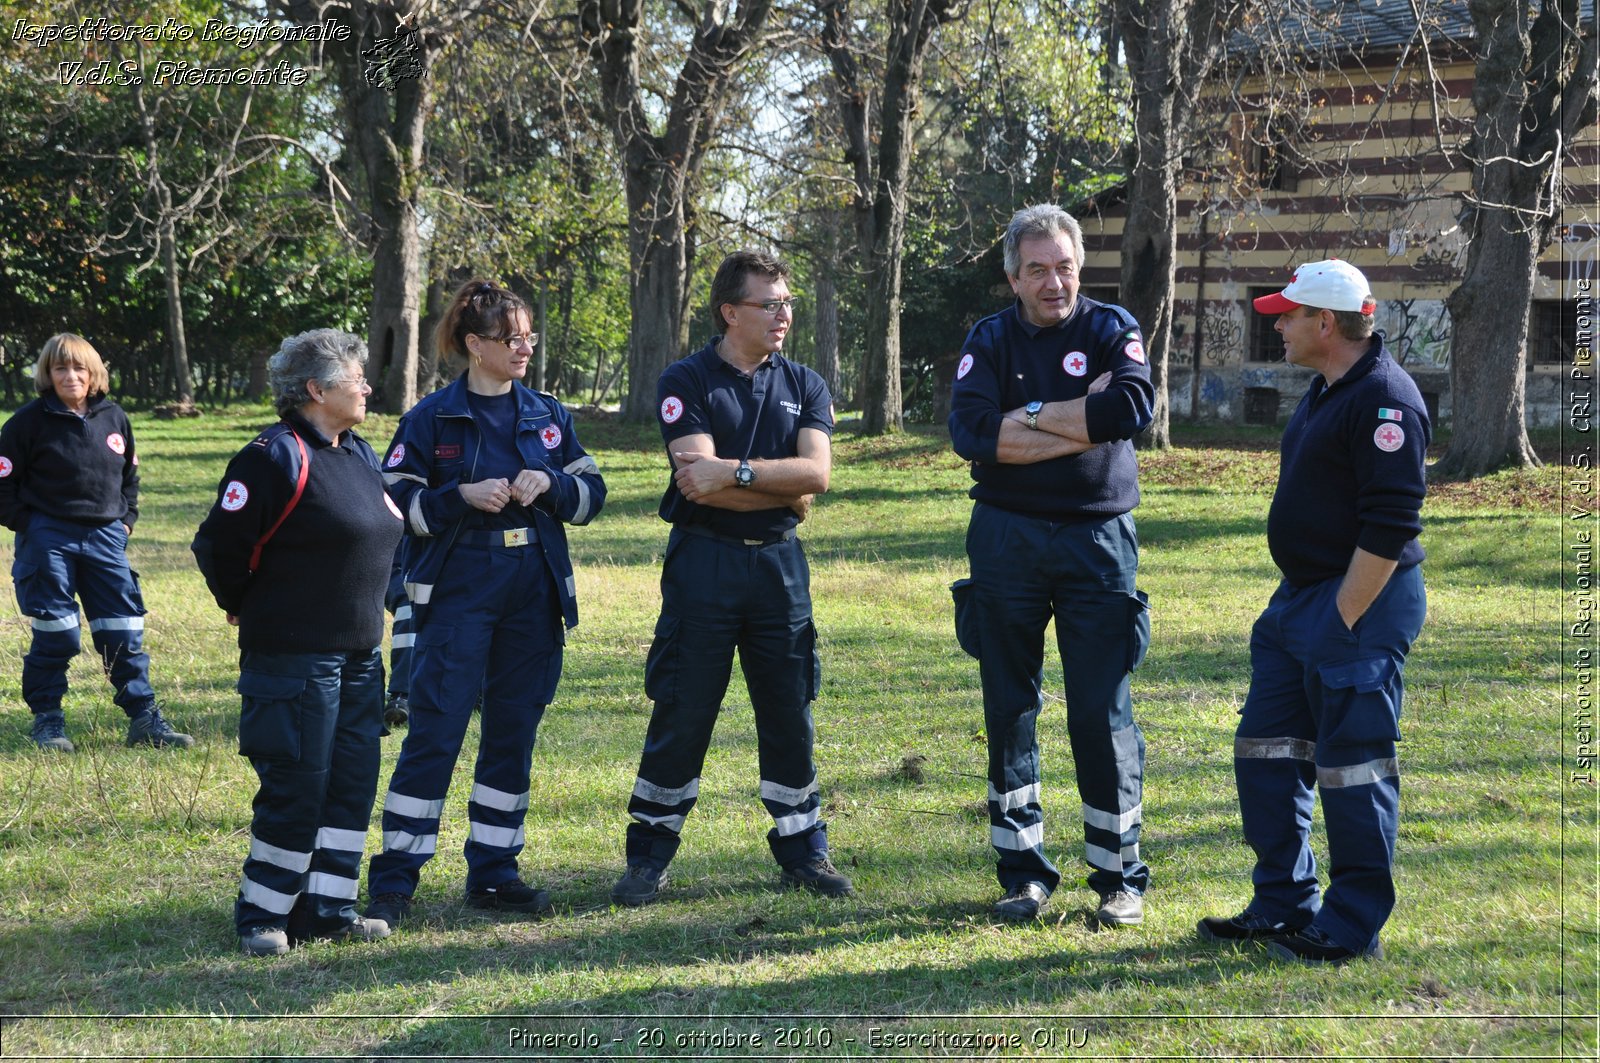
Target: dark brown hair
{"points": [[481, 308], [728, 285]]}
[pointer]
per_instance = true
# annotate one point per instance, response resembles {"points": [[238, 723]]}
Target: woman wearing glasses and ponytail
{"points": [[486, 473]]}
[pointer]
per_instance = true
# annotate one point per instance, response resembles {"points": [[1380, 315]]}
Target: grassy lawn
{"points": [[118, 868]]}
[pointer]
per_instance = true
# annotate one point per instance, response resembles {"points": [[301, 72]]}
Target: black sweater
{"points": [[1351, 473], [81, 469], [321, 580]]}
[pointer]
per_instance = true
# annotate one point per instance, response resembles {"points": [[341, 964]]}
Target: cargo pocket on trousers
{"points": [[1361, 701], [1138, 628], [269, 715], [814, 673], [661, 665], [968, 633]]}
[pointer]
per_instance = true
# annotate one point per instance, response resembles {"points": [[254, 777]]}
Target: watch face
{"points": [[744, 475]]}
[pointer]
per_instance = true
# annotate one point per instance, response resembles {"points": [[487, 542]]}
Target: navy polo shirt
{"points": [[1009, 362], [1352, 472], [747, 417]]}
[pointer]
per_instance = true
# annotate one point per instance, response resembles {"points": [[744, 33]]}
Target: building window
{"points": [[1100, 293], [1552, 331], [1265, 343]]}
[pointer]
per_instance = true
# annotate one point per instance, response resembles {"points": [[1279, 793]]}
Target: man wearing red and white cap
{"points": [[1327, 655]]}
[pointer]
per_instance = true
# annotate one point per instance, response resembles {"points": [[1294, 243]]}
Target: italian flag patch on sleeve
{"points": [[1386, 414]]}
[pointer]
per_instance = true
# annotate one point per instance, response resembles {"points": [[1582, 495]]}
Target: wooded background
{"points": [[187, 183]]}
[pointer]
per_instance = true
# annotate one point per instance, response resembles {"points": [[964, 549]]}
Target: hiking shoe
{"points": [[391, 909], [50, 732], [398, 712], [150, 728], [1238, 929], [1023, 903], [361, 928], [639, 885], [512, 896], [1312, 946], [265, 941], [819, 876], [1121, 908]]}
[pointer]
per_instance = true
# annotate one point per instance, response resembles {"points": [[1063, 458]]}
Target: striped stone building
{"points": [[1353, 165]]}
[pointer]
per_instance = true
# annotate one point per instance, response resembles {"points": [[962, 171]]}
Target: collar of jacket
{"points": [[453, 400]]}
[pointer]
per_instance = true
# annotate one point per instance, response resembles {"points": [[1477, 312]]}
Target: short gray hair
{"points": [[322, 355], [1043, 219]]}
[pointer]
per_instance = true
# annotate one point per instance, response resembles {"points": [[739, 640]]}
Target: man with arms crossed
{"points": [[1048, 396], [748, 435]]}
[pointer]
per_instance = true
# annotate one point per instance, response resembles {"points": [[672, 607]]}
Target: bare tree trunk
{"points": [[1172, 47], [658, 301], [175, 334], [827, 290], [1532, 92], [882, 177], [661, 171], [541, 313], [383, 72]]}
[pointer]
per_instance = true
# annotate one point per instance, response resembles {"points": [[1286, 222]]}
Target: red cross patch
{"points": [[671, 409], [1389, 437], [117, 444], [234, 496], [965, 367], [1134, 350], [1076, 363], [550, 436], [5, 467], [397, 455]]}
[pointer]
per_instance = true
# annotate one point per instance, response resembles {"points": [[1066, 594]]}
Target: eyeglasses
{"points": [[359, 383], [529, 340], [772, 306]]}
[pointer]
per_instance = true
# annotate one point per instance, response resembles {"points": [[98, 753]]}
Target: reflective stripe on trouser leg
{"points": [[401, 646], [316, 758], [522, 669], [1361, 808], [778, 658], [329, 901], [686, 675], [114, 607], [44, 576], [1273, 770], [1012, 599]]}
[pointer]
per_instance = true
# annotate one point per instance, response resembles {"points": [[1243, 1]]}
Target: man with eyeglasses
{"points": [[1048, 396], [748, 437]]}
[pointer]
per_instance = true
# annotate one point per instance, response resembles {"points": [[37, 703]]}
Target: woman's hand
{"points": [[490, 496], [530, 484]]}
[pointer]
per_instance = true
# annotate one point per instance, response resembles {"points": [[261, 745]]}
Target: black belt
{"points": [[499, 537], [705, 532]]}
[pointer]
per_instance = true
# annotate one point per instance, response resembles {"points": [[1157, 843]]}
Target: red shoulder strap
{"points": [[299, 489]]}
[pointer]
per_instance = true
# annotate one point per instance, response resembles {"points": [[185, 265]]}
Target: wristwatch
{"points": [[744, 475], [1032, 410]]}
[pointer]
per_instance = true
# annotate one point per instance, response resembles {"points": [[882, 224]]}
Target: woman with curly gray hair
{"points": [[296, 551]]}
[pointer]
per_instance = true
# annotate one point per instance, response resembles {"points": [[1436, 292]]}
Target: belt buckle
{"points": [[515, 537], [754, 542]]}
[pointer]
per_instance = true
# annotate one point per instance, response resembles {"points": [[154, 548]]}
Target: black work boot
{"points": [[150, 728], [50, 732]]}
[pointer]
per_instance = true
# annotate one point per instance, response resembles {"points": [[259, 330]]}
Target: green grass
{"points": [[118, 868]]}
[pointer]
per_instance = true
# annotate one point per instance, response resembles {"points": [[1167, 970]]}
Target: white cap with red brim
{"points": [[1330, 285]]}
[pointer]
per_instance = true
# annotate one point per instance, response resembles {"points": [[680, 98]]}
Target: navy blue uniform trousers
{"points": [[718, 596], [403, 638], [309, 722], [56, 562], [1324, 709], [493, 629], [1026, 570]]}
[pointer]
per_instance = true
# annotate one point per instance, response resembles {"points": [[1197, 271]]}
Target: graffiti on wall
{"points": [[1225, 332], [1418, 331], [1581, 242]]}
